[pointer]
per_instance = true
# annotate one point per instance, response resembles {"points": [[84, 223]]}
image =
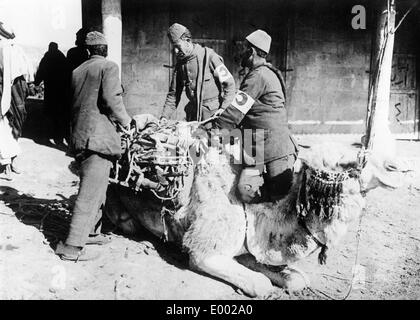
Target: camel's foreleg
{"points": [[226, 268], [286, 277]]}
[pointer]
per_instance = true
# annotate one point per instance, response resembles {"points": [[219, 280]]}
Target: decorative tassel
{"points": [[322, 257]]}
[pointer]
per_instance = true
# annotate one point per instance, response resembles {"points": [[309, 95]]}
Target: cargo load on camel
{"points": [[156, 158]]}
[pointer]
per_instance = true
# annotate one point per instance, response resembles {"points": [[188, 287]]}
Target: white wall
{"points": [[38, 22]]}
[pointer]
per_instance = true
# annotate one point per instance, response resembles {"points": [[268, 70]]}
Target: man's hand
{"points": [[218, 112], [144, 120]]}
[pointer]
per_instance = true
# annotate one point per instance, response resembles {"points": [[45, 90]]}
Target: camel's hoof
{"points": [[258, 287], [262, 287], [294, 280]]}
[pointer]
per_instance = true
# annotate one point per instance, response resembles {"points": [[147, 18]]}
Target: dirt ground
{"points": [[146, 268]]}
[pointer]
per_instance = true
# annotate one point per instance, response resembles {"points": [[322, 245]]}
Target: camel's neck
{"points": [[274, 235]]}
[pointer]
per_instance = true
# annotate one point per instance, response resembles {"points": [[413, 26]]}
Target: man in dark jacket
{"points": [[78, 54], [97, 108], [259, 107], [54, 70], [208, 84]]}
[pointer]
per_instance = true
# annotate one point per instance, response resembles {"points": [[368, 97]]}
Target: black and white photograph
{"points": [[228, 151]]}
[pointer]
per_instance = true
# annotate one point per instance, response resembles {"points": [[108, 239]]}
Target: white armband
{"points": [[242, 102], [222, 73]]}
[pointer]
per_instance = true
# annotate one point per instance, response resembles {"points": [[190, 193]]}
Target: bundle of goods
{"points": [[156, 158]]}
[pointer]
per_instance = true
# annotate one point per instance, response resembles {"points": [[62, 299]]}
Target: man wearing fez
{"points": [[259, 104], [208, 84], [97, 107]]}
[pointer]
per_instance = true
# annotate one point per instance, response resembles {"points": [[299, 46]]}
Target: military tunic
{"points": [[260, 105], [207, 90]]}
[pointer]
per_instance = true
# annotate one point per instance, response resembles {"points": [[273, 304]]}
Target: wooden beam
{"points": [[377, 128]]}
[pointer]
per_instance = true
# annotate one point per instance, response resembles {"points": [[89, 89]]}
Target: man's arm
{"points": [[249, 91], [225, 78], [111, 95], [173, 97]]}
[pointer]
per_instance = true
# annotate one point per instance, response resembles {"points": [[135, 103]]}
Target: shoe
{"points": [[99, 239], [72, 253]]}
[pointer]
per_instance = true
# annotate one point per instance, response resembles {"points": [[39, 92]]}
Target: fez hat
{"points": [[95, 38], [260, 39], [176, 31]]}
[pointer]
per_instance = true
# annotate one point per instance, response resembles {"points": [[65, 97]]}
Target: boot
{"points": [[72, 253]]}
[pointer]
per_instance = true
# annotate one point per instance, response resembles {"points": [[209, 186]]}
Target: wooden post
{"points": [[377, 130], [112, 28]]}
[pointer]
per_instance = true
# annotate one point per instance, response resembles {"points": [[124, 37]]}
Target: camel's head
{"points": [[334, 185], [380, 172]]}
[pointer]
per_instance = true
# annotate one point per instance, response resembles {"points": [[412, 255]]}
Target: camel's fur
{"points": [[213, 227]]}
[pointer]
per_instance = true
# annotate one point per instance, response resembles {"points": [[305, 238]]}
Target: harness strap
{"points": [[200, 83], [322, 256], [277, 72]]}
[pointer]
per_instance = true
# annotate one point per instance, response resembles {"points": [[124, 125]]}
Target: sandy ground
{"points": [[145, 268]]}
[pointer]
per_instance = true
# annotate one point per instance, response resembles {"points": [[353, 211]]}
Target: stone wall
{"points": [[328, 84], [327, 61]]}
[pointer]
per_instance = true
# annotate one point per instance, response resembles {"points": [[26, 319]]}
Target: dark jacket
{"points": [[97, 106], [208, 89], [76, 56], [264, 85], [55, 71]]}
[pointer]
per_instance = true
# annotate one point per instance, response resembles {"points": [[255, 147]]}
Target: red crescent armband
{"points": [[242, 102]]}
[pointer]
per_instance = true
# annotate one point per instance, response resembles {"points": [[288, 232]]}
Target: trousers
{"points": [[255, 185], [87, 211]]}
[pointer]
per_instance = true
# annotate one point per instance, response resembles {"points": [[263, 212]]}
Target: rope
{"points": [[149, 162], [165, 198], [405, 15], [356, 261], [366, 148]]}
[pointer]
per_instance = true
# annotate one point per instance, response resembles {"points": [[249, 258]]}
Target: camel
{"points": [[216, 229]]}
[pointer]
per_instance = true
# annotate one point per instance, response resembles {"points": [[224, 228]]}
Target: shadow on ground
{"points": [[52, 218]]}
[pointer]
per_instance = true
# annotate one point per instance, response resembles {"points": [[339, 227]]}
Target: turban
{"points": [[95, 38]]}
